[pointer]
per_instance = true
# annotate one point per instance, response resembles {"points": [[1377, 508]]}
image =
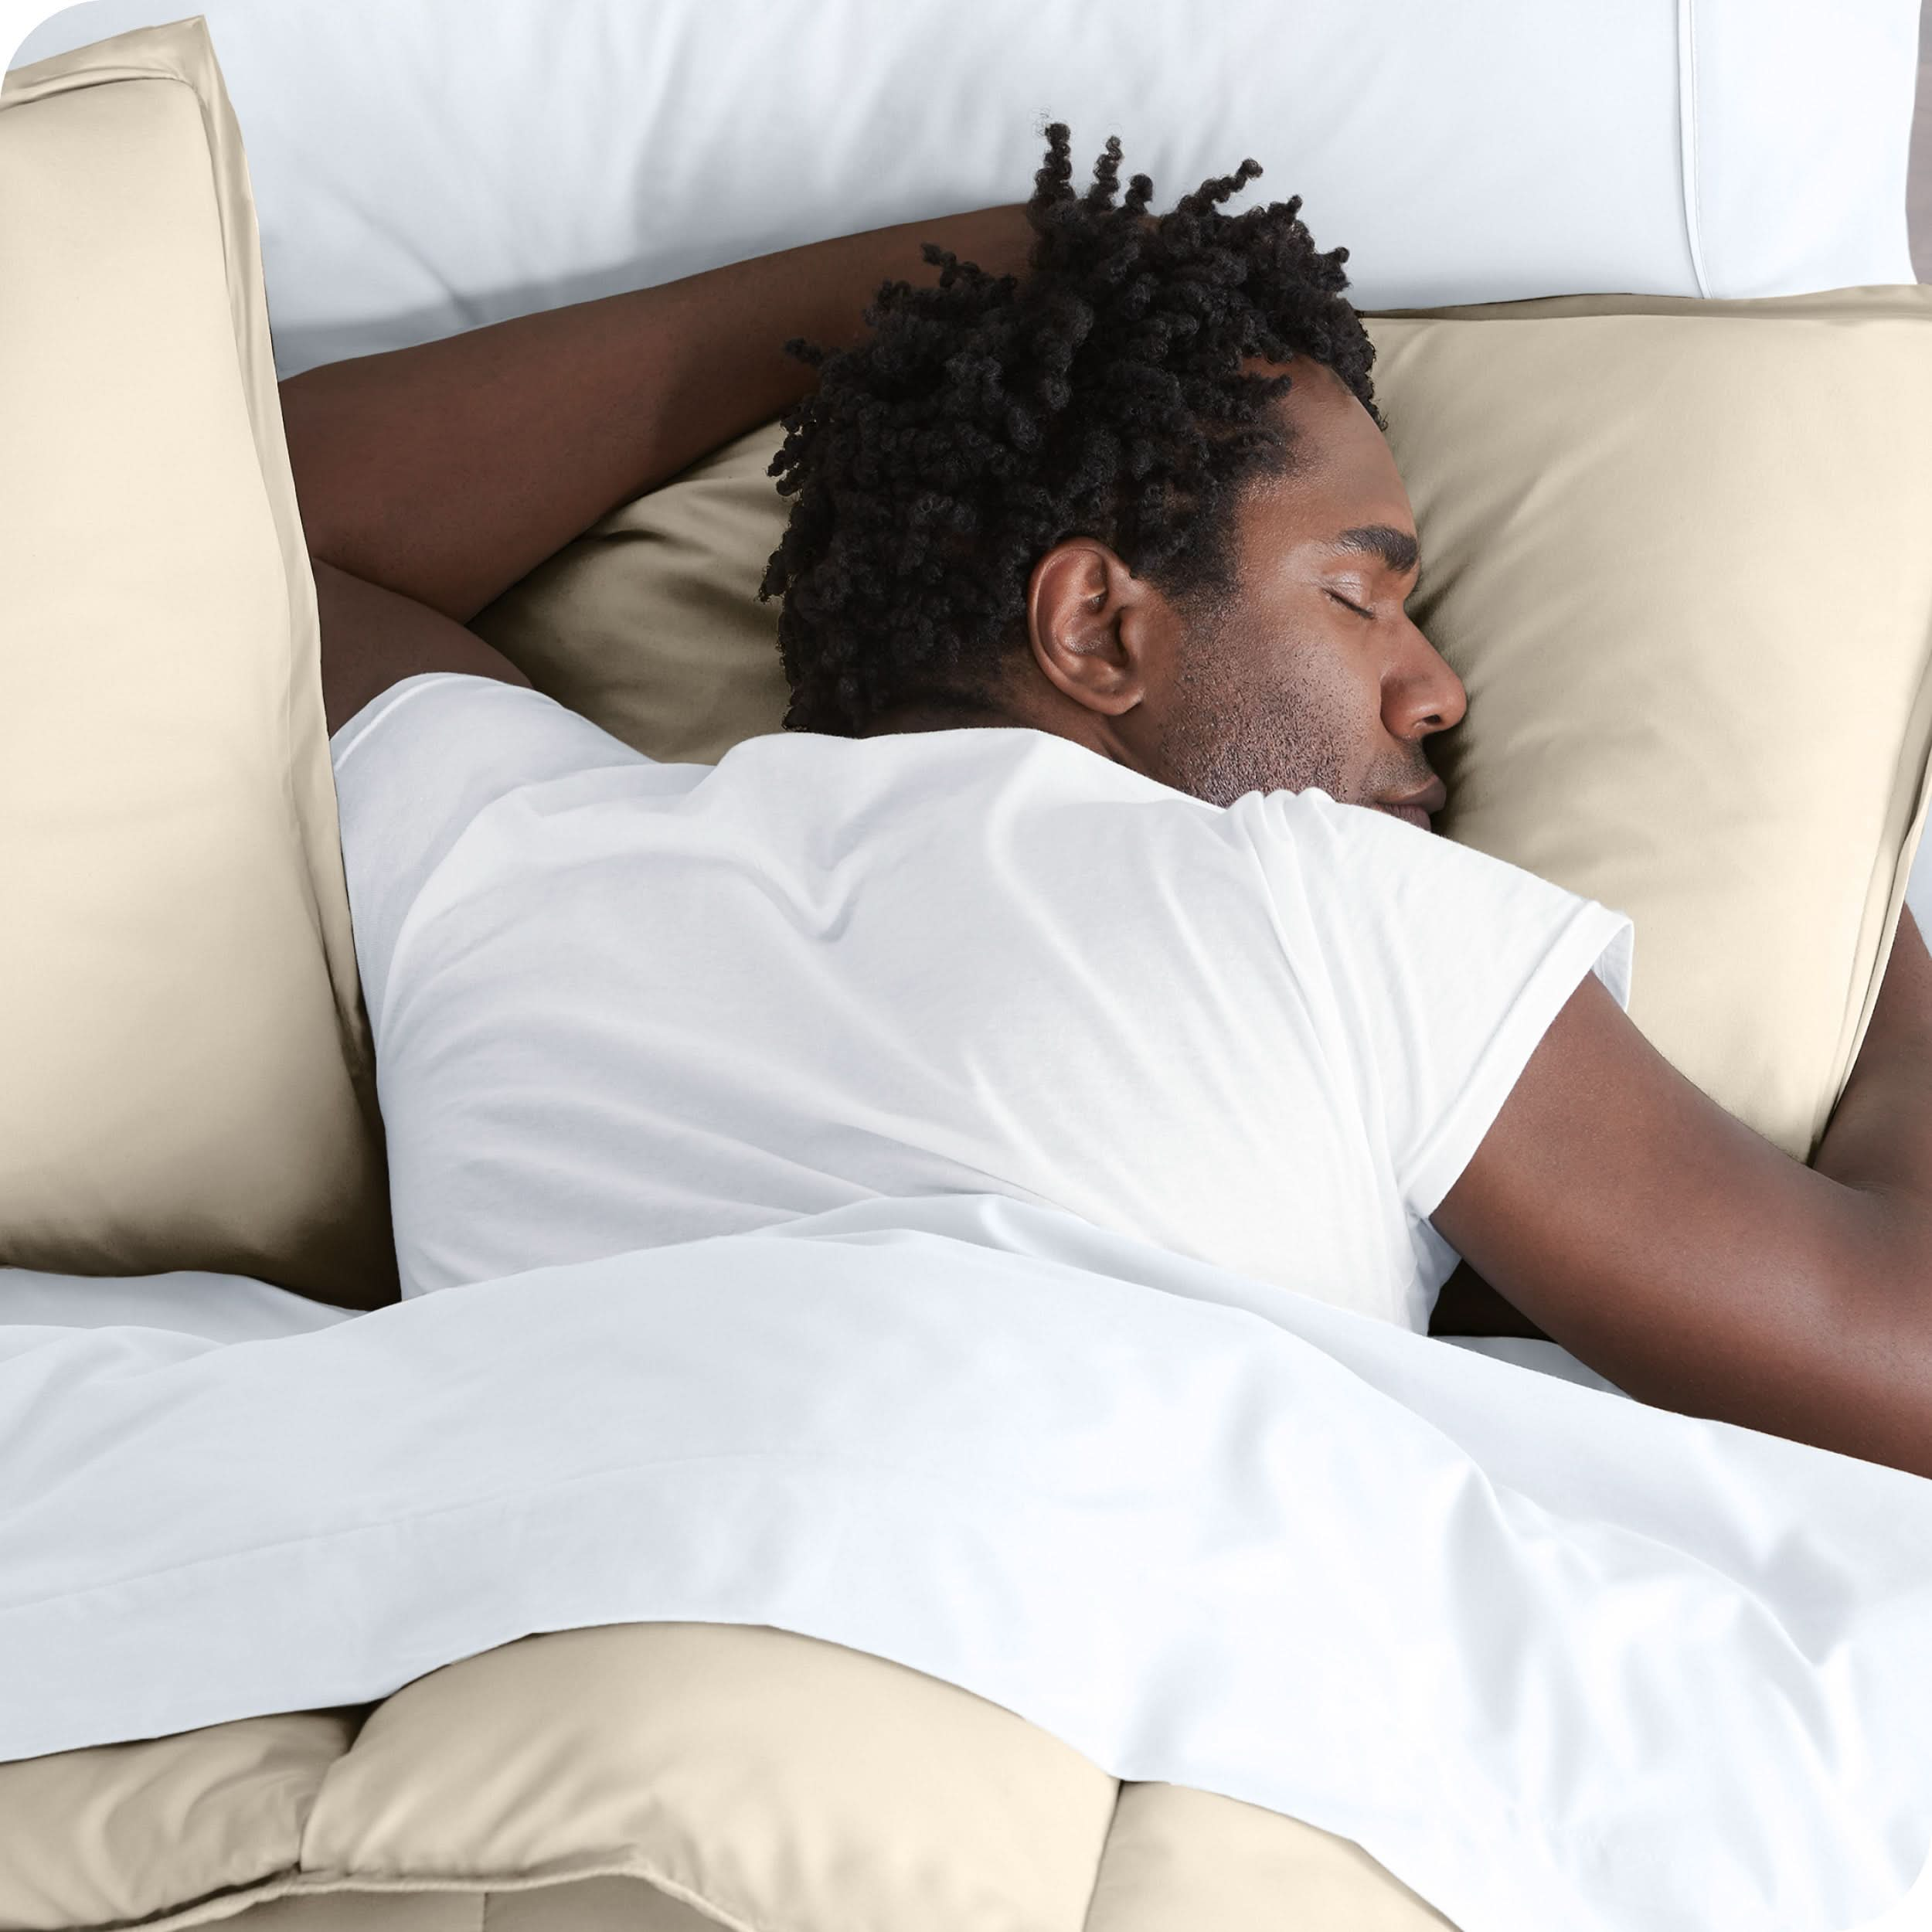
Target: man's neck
{"points": [[929, 717]]}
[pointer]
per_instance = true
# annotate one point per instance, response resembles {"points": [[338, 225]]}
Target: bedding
{"points": [[188, 1082], [232, 1307], [783, 1784], [1580, 1661], [221, 1308], [423, 1485], [1918, 182], [416, 177]]}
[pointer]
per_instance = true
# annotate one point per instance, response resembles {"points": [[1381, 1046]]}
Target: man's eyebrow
{"points": [[1396, 548]]}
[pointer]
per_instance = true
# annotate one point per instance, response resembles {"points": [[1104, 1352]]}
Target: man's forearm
{"points": [[1879, 1142], [448, 471]]}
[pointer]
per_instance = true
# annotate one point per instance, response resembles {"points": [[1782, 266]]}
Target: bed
{"points": [[626, 1755]]}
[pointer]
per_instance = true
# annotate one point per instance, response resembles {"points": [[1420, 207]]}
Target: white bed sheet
{"points": [[1554, 1656], [217, 1308], [235, 1307]]}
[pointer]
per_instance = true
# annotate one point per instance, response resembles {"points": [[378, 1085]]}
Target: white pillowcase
{"points": [[424, 166]]}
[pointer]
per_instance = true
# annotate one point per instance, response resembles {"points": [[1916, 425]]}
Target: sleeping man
{"points": [[1094, 865]]}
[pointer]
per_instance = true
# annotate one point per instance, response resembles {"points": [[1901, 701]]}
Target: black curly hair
{"points": [[984, 420]]}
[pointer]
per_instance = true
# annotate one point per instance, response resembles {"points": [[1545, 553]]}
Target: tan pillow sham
{"points": [[1676, 550], [187, 1074]]}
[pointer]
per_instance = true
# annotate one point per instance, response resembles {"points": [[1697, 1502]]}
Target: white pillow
{"points": [[424, 166]]}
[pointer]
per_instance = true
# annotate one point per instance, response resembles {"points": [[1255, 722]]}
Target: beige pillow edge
{"points": [[182, 52], [1866, 300]]}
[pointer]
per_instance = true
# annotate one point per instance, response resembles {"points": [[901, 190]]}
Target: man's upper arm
{"points": [[1673, 1249], [372, 639]]}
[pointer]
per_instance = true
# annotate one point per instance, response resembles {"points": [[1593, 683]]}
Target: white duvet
{"points": [[1555, 1658]]}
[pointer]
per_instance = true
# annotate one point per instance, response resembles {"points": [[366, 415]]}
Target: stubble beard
{"points": [[1230, 734]]}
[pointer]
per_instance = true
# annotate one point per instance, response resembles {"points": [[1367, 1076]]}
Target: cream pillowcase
{"points": [[187, 1081], [1677, 552]]}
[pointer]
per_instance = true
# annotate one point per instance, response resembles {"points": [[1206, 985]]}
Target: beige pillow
{"points": [[1678, 552], [187, 1073], [650, 622]]}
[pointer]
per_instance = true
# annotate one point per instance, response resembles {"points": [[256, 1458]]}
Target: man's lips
{"points": [[1414, 814], [1417, 807]]}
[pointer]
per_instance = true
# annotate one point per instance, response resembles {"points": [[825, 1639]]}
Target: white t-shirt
{"points": [[617, 1003]]}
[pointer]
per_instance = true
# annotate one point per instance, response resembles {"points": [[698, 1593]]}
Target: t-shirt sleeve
{"points": [[414, 768], [1444, 967]]}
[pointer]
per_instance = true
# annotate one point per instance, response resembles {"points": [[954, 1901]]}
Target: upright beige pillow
{"points": [[188, 1079], [1680, 554]]}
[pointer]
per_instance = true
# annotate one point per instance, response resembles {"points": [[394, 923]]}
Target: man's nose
{"points": [[1431, 697]]}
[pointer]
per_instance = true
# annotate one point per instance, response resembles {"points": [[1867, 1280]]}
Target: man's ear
{"points": [[1091, 624]]}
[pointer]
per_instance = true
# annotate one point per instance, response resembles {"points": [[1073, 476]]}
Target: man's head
{"points": [[1139, 497]]}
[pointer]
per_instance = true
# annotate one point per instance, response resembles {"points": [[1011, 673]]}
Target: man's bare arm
{"points": [[372, 639], [1666, 1244], [447, 471]]}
